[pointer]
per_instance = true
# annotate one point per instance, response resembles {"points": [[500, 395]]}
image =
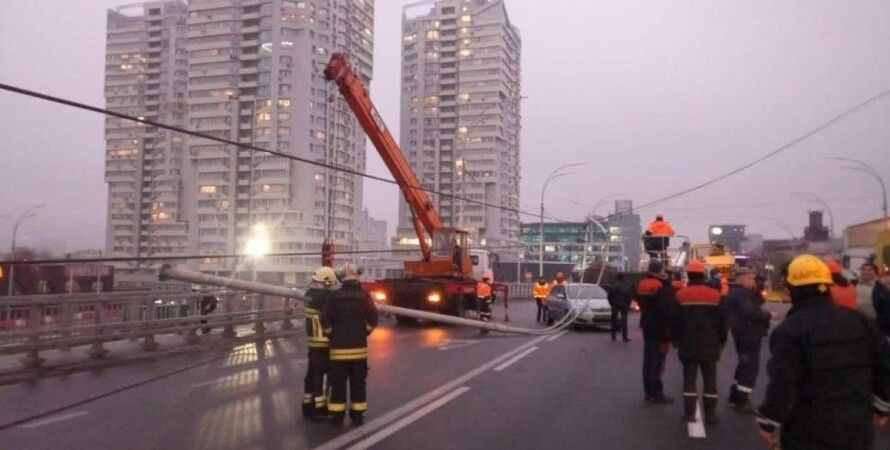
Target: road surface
{"points": [[430, 387]]}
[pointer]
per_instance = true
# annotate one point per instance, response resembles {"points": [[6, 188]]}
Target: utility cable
{"points": [[838, 118], [107, 112]]}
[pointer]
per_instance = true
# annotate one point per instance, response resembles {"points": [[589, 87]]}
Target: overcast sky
{"points": [[656, 96]]}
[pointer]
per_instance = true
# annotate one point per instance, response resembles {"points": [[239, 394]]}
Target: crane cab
{"points": [[449, 256]]}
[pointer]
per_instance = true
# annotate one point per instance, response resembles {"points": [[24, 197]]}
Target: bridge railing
{"points": [[30, 325], [520, 291]]}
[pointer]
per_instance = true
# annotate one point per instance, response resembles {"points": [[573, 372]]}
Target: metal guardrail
{"points": [[520, 291], [32, 324]]}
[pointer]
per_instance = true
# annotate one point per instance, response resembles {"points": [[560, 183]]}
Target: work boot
{"points": [[745, 408], [660, 400], [357, 418], [711, 410], [319, 414], [308, 407], [689, 403], [337, 419]]}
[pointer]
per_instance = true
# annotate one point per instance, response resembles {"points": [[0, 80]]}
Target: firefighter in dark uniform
{"points": [[829, 380], [324, 281], [657, 301], [348, 318], [700, 333], [749, 323]]}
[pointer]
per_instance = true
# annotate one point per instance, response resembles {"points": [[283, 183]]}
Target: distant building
{"points": [[572, 242], [625, 224], [370, 232], [730, 237], [460, 117], [816, 231], [147, 169]]}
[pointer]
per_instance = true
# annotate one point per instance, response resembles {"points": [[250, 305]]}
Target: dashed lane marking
{"points": [[697, 429], [512, 360], [452, 344], [408, 420], [556, 336], [53, 419], [384, 420]]}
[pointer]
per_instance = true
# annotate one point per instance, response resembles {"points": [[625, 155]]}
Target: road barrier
{"points": [[33, 324]]}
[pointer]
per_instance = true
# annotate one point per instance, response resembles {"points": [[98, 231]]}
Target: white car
{"points": [[590, 300]]}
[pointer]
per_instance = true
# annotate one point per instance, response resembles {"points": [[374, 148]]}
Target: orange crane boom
{"points": [[427, 224]]}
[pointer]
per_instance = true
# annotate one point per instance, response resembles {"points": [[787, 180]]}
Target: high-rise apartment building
{"points": [[255, 76], [460, 116], [146, 168], [249, 71]]}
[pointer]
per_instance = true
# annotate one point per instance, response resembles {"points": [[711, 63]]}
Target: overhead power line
{"points": [[838, 118], [108, 112]]}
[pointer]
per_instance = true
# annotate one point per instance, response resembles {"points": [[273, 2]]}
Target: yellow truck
{"points": [[868, 241]]}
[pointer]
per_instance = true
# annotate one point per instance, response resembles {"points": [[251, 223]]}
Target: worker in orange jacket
{"points": [[842, 292], [540, 291], [658, 236], [484, 299]]}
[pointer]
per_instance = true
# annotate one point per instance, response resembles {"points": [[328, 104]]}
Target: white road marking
{"points": [[556, 336], [380, 422], [54, 419], [408, 420], [697, 429], [512, 360], [452, 344]]}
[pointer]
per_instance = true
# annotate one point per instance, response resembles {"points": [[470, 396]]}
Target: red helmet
{"points": [[696, 267]]}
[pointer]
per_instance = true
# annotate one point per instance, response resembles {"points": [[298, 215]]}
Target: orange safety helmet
{"points": [[696, 267], [834, 266]]}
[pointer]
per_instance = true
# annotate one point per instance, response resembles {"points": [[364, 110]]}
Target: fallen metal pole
{"points": [[170, 273]]}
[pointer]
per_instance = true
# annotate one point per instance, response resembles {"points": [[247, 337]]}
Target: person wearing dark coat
{"points": [[657, 301], [749, 323], [829, 374], [348, 318], [620, 296], [324, 281], [700, 333]]}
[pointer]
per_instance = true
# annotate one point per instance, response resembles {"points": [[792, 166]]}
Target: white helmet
{"points": [[325, 275]]}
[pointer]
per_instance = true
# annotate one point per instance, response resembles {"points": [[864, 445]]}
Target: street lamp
{"points": [[258, 245], [558, 172], [861, 166], [26, 214], [814, 198]]}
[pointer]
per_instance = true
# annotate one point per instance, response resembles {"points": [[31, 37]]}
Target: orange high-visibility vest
{"points": [[483, 290], [844, 296], [541, 290], [661, 228]]}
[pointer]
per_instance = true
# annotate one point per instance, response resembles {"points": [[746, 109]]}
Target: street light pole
{"points": [[558, 172], [28, 213], [865, 167]]}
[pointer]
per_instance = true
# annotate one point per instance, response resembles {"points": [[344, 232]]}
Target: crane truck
{"points": [[443, 279]]}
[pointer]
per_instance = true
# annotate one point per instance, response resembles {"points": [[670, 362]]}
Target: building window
{"points": [[208, 189], [284, 102]]}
